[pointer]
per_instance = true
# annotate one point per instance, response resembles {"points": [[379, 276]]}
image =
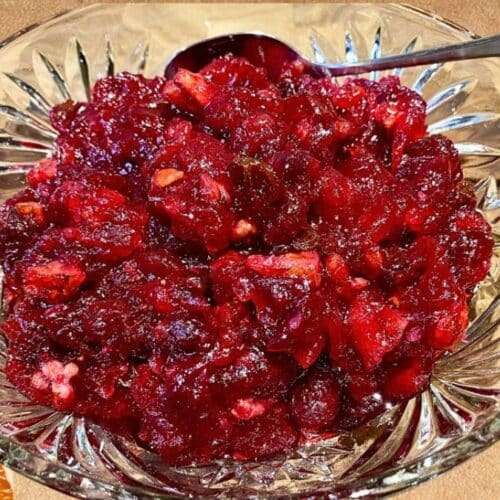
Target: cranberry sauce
{"points": [[228, 262]]}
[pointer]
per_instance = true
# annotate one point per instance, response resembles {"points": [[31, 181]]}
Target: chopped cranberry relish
{"points": [[223, 263]]}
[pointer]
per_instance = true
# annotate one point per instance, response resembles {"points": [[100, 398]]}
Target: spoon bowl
{"points": [[270, 52], [257, 47]]}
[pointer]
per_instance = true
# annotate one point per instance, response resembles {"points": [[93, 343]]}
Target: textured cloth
{"points": [[479, 477]]}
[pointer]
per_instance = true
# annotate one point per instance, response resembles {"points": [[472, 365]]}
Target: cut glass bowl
{"points": [[455, 418]]}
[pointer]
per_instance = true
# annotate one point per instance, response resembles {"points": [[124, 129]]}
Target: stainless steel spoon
{"points": [[265, 49]]}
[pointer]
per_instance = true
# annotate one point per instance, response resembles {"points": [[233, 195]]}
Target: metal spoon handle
{"points": [[482, 47]]}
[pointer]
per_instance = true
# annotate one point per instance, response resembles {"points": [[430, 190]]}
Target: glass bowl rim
{"points": [[390, 481]]}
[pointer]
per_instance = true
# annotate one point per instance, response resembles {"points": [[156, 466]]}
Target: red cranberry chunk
{"points": [[408, 379], [237, 72], [470, 246], [54, 281], [316, 400], [264, 436], [376, 329], [255, 374], [43, 172]]}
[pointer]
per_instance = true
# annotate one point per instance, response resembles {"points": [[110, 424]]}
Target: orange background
{"points": [[479, 477]]}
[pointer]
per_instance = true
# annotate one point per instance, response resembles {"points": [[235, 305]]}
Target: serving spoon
{"points": [[269, 51]]}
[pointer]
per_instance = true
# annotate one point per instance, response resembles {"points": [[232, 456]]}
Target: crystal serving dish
{"points": [[455, 418]]}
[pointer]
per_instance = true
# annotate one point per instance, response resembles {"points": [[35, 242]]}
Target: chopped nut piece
{"points": [[166, 176], [246, 409], [31, 209], [243, 229], [58, 377], [195, 85], [359, 283], [40, 381], [301, 264], [54, 281], [395, 300]]}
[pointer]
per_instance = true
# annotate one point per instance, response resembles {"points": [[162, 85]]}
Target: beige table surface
{"points": [[479, 477]]}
